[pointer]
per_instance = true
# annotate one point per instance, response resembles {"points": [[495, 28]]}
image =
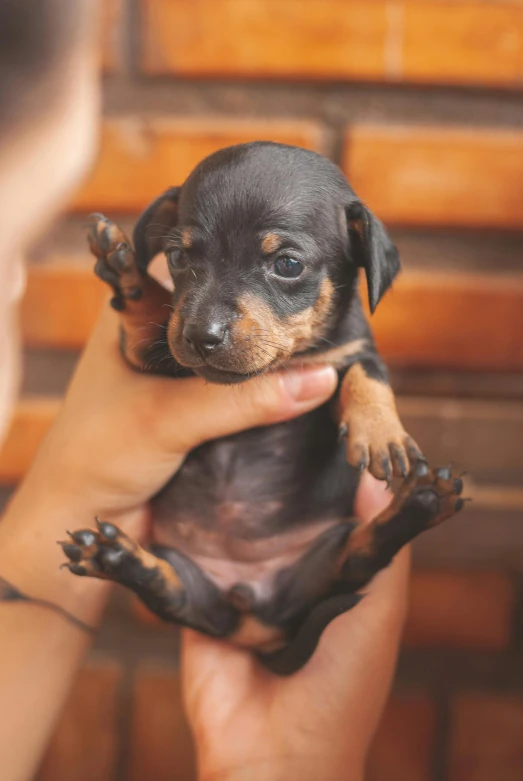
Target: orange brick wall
{"points": [[420, 103]]}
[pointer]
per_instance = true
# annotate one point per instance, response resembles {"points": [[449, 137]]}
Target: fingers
{"points": [[194, 411], [361, 646], [214, 671], [187, 412], [372, 497]]}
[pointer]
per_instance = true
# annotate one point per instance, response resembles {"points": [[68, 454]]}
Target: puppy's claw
{"points": [[73, 552], [84, 537], [387, 471], [399, 460], [457, 485], [443, 473], [107, 530], [77, 569], [413, 451], [421, 468]]}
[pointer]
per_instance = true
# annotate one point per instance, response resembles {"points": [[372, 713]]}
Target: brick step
{"points": [[408, 174], [486, 738], [437, 175], [470, 42], [140, 157], [483, 437], [485, 535], [455, 320]]}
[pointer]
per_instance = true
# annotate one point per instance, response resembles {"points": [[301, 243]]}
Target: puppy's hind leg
{"points": [[425, 499], [166, 581]]}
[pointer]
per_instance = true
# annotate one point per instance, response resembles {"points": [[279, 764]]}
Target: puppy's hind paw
{"points": [[435, 491], [106, 553]]}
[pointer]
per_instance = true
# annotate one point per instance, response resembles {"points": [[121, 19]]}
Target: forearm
{"points": [[41, 648]]}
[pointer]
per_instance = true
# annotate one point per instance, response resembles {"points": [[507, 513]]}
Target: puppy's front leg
{"points": [[142, 302], [376, 439]]}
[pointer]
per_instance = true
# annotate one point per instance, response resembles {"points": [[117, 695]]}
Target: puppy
{"points": [[254, 536]]}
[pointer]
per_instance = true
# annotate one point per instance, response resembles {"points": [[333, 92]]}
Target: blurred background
{"points": [[420, 103]]}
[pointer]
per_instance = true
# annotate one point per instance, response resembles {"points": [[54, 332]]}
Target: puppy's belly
{"points": [[228, 560], [246, 507]]}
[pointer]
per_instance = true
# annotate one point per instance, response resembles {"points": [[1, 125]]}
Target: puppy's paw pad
{"points": [[116, 263], [437, 491], [99, 554]]}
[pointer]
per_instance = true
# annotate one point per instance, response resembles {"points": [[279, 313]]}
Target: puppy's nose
{"points": [[204, 338]]}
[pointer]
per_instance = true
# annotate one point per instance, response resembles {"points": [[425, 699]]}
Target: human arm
{"points": [[119, 436]]}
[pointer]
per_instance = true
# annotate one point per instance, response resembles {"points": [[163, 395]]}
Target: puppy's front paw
{"points": [[115, 262], [379, 444]]}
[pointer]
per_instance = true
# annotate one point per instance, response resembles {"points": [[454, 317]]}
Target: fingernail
{"points": [[310, 383]]}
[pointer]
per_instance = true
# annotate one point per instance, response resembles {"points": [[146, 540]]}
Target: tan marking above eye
{"points": [[270, 243], [186, 238]]}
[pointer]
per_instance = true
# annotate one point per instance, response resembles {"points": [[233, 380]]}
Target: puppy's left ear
{"points": [[153, 226], [373, 250]]}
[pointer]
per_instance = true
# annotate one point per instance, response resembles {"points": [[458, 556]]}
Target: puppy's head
{"points": [[263, 242]]}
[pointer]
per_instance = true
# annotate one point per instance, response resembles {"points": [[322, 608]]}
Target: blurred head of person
{"points": [[49, 105]]}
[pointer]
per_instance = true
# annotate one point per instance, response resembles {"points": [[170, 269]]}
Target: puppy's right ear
{"points": [[153, 226]]}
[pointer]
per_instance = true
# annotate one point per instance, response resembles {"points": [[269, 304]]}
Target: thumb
{"points": [[194, 411]]}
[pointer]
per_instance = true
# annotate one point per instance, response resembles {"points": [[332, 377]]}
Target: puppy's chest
{"points": [[259, 495]]}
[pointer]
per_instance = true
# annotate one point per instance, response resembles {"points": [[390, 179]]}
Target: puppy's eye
{"points": [[288, 267], [174, 257]]}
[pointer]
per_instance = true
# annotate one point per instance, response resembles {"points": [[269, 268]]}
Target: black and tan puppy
{"points": [[254, 537]]}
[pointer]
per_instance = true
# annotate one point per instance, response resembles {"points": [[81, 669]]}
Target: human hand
{"points": [[251, 725], [122, 434]]}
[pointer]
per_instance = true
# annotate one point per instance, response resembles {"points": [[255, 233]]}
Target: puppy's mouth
{"points": [[225, 376], [228, 373]]}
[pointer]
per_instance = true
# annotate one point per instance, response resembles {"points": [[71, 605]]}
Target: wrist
{"points": [[30, 558], [289, 769]]}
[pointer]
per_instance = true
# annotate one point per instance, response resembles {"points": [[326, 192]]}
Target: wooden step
{"points": [[437, 176], [431, 42], [429, 319]]}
